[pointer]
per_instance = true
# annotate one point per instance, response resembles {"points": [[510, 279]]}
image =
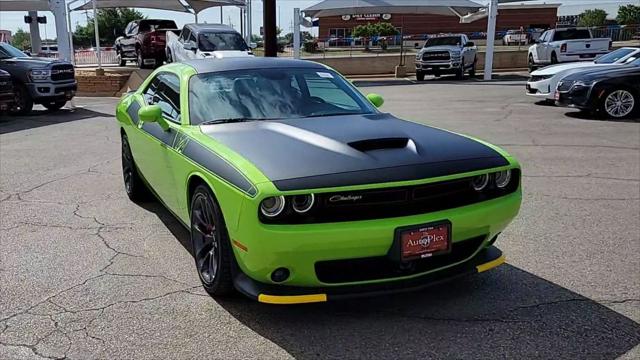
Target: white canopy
{"points": [[174, 5], [24, 5], [199, 5], [349, 7]]}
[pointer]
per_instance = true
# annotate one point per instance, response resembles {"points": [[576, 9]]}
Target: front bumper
{"points": [[540, 89], [439, 67], [484, 260], [44, 92]]}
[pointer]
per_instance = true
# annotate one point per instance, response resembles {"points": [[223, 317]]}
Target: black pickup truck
{"points": [[49, 82]]}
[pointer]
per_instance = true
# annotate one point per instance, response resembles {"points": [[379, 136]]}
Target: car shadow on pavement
{"points": [[38, 118], [586, 115], [506, 312]]}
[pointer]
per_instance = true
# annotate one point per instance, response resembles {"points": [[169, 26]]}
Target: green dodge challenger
{"points": [[296, 189]]}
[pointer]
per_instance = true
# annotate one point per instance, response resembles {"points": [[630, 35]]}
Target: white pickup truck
{"points": [[203, 41], [566, 45]]}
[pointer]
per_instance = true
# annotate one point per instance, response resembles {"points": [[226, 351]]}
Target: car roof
{"points": [[209, 28], [207, 65]]}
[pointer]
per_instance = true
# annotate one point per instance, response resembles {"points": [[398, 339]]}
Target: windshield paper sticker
{"points": [[325, 75]]}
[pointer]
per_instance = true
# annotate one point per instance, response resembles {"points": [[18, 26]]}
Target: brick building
{"points": [[510, 16]]}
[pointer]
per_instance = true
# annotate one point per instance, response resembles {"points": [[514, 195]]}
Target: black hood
{"points": [[351, 150]]}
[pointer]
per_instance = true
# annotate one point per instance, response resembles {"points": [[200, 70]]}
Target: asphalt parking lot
{"points": [[84, 273]]}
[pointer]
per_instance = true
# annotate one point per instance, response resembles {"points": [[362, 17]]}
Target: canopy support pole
{"points": [[270, 32], [59, 10], [249, 25], [34, 30], [296, 33], [97, 34], [491, 36]]}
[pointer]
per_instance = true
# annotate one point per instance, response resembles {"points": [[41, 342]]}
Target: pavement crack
{"points": [[571, 300], [591, 199], [589, 176], [574, 146]]}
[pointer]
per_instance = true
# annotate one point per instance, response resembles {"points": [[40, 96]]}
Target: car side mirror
{"points": [[28, 53], [190, 45], [153, 113], [470, 44], [253, 45], [375, 99]]}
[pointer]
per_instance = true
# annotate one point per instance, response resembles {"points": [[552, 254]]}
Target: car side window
{"points": [[192, 37], [134, 29], [185, 34], [164, 91], [127, 30], [321, 86]]}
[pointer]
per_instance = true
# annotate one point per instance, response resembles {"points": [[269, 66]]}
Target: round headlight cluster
{"points": [[480, 182], [273, 206], [501, 180]]}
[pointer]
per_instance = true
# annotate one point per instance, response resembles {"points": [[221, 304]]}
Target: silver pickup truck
{"points": [[446, 54], [205, 41]]}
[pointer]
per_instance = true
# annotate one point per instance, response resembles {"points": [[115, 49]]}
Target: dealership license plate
{"points": [[425, 241], [556, 96]]}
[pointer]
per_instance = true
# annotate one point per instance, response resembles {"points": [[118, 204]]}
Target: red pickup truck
{"points": [[144, 42]]}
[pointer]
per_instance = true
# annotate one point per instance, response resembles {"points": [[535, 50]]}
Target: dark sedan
{"points": [[612, 92]]}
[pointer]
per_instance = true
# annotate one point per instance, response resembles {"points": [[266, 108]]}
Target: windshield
{"points": [[614, 56], [153, 25], [571, 34], [283, 93], [7, 51], [439, 41], [216, 41]]}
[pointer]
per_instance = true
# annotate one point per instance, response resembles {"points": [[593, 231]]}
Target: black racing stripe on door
{"points": [[132, 110], [153, 129], [399, 173], [217, 165]]}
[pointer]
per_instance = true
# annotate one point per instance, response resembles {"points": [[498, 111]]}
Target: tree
{"points": [[365, 31], [304, 36], [628, 15], [21, 39], [594, 17], [384, 29], [111, 23]]}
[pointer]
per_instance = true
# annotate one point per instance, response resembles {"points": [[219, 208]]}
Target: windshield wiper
{"points": [[226, 121]]}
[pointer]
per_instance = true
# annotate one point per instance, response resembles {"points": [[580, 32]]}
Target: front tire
{"points": [[210, 243], [419, 76], [460, 72], [472, 71], [133, 184], [532, 64], [119, 59], [169, 57], [55, 106], [554, 58], [619, 103], [23, 104]]}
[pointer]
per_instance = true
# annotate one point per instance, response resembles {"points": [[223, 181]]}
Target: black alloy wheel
{"points": [[210, 243], [134, 186]]}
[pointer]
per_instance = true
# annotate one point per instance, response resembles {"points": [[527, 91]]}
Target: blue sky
{"points": [[14, 20]]}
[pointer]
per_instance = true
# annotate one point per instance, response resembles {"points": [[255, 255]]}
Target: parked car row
{"points": [[26, 80], [609, 85], [151, 42]]}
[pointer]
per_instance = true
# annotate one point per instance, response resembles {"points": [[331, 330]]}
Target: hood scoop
{"points": [[381, 144]]}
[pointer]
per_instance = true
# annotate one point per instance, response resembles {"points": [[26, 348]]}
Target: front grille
{"points": [[62, 72], [5, 85], [436, 56], [396, 201], [382, 267], [535, 78], [564, 85]]}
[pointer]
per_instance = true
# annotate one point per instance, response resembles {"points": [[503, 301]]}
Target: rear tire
{"points": [[210, 243], [134, 186], [554, 58], [55, 106], [119, 59], [472, 71], [169, 57], [23, 104], [140, 58], [419, 76]]}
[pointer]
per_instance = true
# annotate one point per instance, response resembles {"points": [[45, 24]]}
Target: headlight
{"points": [[37, 74], [583, 83], [502, 178], [480, 182], [302, 203], [418, 55], [272, 206], [455, 54]]}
